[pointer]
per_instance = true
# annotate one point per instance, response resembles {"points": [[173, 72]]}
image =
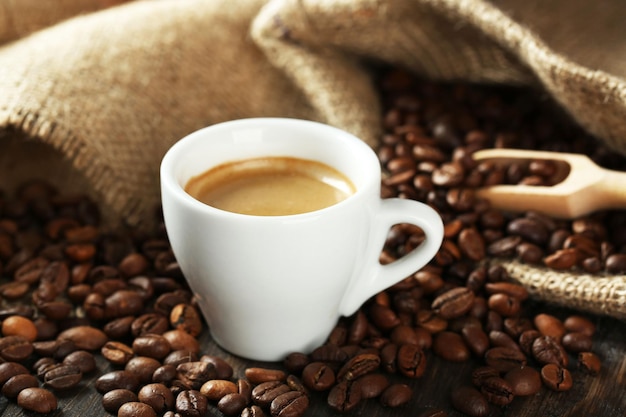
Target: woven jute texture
{"points": [[94, 92]]}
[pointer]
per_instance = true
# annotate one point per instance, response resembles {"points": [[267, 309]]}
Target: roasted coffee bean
{"points": [[136, 409], [257, 375], [450, 346], [344, 396], [504, 304], [181, 356], [556, 377], [15, 348], [579, 324], [476, 339], [524, 381], [157, 396], [396, 395], [549, 325], [433, 412], [577, 342], [181, 340], [232, 404], [372, 385], [252, 411], [85, 337], [133, 264], [289, 404], [431, 321], [151, 345], [123, 303], [119, 328], [143, 368], [194, 374], [164, 374], [223, 369], [358, 366], [62, 377], [113, 400], [244, 387], [504, 359], [19, 326], [17, 383], [497, 391], [119, 379], [186, 317], [501, 339], [411, 361], [191, 403], [36, 399], [482, 373], [295, 362], [215, 389], [117, 353], [589, 363], [318, 376], [453, 303], [546, 350], [470, 401], [383, 317]]}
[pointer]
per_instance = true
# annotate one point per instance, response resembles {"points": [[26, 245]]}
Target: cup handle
{"points": [[375, 277]]}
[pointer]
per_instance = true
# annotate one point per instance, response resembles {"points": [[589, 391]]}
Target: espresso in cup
{"points": [[271, 186]]}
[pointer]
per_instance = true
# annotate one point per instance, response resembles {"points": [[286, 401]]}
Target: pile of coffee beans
{"points": [[72, 294]]}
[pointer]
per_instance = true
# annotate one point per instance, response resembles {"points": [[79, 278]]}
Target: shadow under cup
{"points": [[272, 285]]}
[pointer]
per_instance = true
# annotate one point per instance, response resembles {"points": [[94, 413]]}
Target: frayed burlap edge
{"points": [[597, 294]]}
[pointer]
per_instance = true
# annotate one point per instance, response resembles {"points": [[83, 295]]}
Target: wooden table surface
{"points": [[601, 396]]}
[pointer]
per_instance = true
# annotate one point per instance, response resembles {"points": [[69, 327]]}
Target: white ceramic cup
{"points": [[272, 285]]}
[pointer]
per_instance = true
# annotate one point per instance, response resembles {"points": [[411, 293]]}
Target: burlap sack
{"points": [[94, 101]]}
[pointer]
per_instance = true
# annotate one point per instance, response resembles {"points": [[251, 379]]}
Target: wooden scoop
{"points": [[586, 186]]}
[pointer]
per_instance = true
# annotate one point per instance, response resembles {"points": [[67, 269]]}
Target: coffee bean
{"points": [[358, 366], [117, 352], [411, 361], [15, 348], [232, 404], [344, 396], [136, 409], [37, 399], [14, 385], [191, 403], [194, 374], [186, 317], [450, 346], [9, 370], [289, 404], [453, 303], [252, 411], [223, 369], [524, 381], [504, 359], [257, 375], [163, 374], [396, 395], [318, 376], [579, 324], [470, 401], [215, 389], [119, 379], [85, 337], [372, 385], [497, 391], [546, 349], [157, 396], [19, 326], [114, 399], [143, 368], [181, 340], [589, 363], [63, 377], [577, 342], [181, 356], [549, 325], [556, 378], [152, 345]]}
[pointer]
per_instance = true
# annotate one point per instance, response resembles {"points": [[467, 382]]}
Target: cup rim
{"points": [[171, 161]]}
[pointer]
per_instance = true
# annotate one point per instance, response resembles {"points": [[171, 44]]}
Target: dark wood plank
{"points": [[591, 396]]}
